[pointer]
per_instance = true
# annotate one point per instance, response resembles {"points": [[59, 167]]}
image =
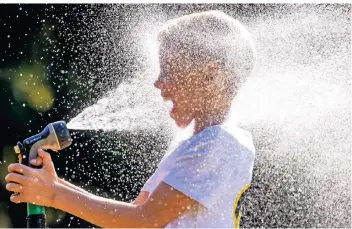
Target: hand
{"points": [[33, 185]]}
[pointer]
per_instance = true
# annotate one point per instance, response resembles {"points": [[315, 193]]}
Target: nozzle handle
{"points": [[36, 217], [36, 221], [55, 136]]}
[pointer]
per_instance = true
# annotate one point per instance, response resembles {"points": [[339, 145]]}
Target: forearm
{"points": [[68, 184], [98, 210]]}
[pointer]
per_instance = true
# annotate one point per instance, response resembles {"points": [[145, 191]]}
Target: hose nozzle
{"points": [[55, 136]]}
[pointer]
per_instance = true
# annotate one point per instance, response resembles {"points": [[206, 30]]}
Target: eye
{"points": [[168, 73], [162, 77]]}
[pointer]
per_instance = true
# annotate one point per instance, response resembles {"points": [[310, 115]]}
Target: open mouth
{"points": [[168, 98], [171, 104]]}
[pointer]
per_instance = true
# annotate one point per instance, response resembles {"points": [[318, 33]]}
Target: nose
{"points": [[159, 83]]}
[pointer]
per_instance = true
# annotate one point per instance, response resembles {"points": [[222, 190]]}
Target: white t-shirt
{"points": [[210, 167]]}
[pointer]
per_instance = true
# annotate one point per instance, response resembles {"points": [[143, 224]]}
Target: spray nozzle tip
{"points": [[17, 149]]}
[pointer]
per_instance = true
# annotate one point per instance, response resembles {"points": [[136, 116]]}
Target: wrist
{"points": [[58, 190], [61, 181]]}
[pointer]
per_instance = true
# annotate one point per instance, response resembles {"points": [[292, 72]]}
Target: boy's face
{"points": [[184, 87]]}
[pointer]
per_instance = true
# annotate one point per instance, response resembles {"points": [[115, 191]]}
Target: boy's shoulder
{"points": [[223, 133], [225, 138]]}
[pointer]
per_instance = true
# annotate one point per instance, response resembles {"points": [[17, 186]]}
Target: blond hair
{"points": [[212, 36]]}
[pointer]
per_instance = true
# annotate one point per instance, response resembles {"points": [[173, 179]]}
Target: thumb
{"points": [[47, 162]]}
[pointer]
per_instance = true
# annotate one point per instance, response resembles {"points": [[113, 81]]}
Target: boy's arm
{"points": [[68, 184], [164, 205], [141, 198]]}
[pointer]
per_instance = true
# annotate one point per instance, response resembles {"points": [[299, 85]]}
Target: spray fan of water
{"points": [[297, 105]]}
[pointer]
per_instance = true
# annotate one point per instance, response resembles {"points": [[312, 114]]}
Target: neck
{"points": [[208, 119]]}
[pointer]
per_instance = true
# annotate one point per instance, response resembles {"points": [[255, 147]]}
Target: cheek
{"points": [[192, 99], [193, 90], [175, 86], [186, 110]]}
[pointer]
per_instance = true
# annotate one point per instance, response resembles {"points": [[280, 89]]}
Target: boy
{"points": [[204, 58]]}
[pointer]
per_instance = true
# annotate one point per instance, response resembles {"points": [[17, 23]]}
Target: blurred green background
{"points": [[43, 76]]}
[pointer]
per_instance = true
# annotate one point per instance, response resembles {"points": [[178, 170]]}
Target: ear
{"points": [[211, 69]]}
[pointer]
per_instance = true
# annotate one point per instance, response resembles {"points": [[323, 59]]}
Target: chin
{"points": [[182, 123], [181, 120]]}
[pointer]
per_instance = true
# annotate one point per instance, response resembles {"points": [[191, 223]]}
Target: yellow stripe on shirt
{"points": [[237, 218]]}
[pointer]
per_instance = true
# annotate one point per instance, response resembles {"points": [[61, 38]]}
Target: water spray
{"points": [[55, 136]]}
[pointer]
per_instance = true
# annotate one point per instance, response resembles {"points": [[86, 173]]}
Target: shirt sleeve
{"points": [[149, 185], [202, 171], [154, 179]]}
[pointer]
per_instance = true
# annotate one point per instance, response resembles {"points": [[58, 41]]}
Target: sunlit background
{"points": [[57, 60]]}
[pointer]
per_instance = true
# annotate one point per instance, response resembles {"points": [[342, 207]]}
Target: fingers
{"points": [[17, 178], [47, 162], [19, 168], [45, 157], [13, 187], [17, 198], [37, 162]]}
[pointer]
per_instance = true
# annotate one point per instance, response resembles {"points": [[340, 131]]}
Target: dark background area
{"points": [[40, 82]]}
